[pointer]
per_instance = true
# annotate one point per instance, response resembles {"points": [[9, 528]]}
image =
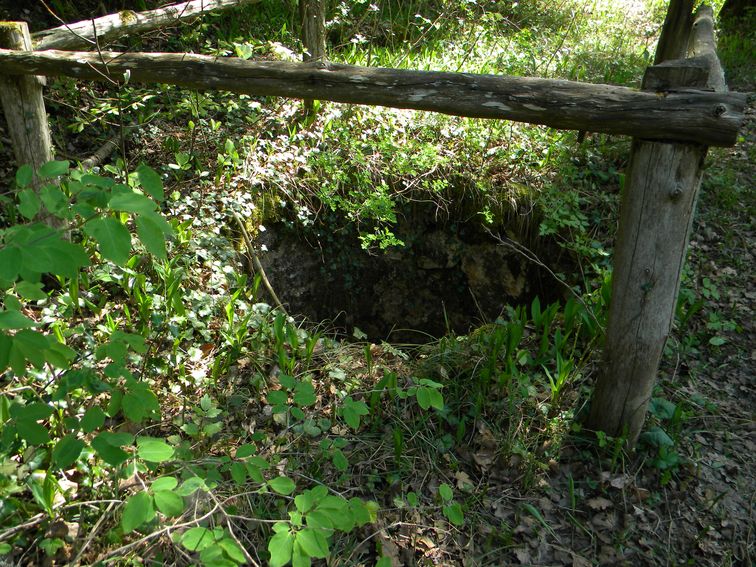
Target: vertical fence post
{"points": [[23, 104], [312, 17], [656, 215]]}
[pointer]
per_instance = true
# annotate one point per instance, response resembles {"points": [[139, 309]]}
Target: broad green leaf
{"points": [[339, 460], [423, 397], [151, 236], [191, 485], [169, 503], [436, 398], [139, 402], [24, 175], [32, 432], [6, 344], [233, 550], [111, 454], [445, 491], [94, 418], [657, 437], [277, 397], [299, 557], [67, 258], [137, 511], [282, 485], [384, 562], [313, 542], [10, 262], [280, 547], [53, 169], [53, 198], [66, 451], [28, 203], [164, 483], [304, 394], [132, 202], [31, 291], [197, 539], [15, 320], [113, 239], [239, 473], [154, 450], [33, 411], [245, 450], [453, 513], [151, 182]]}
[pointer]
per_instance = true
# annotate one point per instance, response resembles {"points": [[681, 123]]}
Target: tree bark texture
{"points": [[23, 104], [685, 115], [85, 34]]}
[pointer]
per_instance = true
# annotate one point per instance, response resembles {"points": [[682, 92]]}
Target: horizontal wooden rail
{"points": [[690, 115], [88, 33]]}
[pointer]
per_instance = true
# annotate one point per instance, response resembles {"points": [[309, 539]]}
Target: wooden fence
{"points": [[683, 108]]}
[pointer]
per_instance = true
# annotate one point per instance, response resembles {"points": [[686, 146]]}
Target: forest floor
{"points": [[704, 514], [692, 503]]}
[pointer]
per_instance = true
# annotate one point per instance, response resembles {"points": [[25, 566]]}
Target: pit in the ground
{"points": [[450, 275]]}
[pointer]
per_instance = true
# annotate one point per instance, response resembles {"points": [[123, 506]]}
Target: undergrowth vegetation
{"points": [[157, 409]]}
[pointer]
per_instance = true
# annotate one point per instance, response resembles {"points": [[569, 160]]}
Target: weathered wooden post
{"points": [[312, 17], [23, 104], [656, 215]]}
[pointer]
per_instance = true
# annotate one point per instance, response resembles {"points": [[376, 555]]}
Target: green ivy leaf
{"points": [[154, 450], [53, 169], [281, 546], [137, 511], [113, 239], [169, 503], [282, 485], [151, 182], [66, 451]]}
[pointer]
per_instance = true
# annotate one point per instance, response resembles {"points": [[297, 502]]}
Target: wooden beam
{"points": [[673, 41], [107, 28], [689, 115]]}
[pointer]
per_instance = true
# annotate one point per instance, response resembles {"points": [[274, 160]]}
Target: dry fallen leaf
{"points": [[599, 503]]}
